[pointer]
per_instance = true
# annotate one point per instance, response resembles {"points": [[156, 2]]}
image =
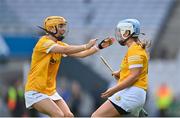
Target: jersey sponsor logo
{"points": [[54, 60]]}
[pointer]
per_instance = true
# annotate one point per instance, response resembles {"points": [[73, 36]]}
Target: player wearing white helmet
{"points": [[128, 96], [132, 26], [40, 89]]}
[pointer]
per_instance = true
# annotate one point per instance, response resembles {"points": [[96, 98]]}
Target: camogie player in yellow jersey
{"points": [[128, 96], [40, 88]]}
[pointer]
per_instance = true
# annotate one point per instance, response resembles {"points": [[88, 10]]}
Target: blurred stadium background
{"points": [[80, 81]]}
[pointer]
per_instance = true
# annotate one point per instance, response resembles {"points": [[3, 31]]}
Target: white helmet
{"points": [[131, 25]]}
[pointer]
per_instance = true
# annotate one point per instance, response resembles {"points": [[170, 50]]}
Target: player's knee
{"points": [[57, 113], [68, 114]]}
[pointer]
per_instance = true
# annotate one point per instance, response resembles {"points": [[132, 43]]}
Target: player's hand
{"points": [[106, 42], [91, 43], [115, 74], [109, 92]]}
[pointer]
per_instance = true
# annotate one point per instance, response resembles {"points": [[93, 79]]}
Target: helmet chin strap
{"points": [[122, 42], [59, 38]]}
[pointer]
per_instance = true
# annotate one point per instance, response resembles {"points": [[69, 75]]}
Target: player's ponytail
{"points": [[144, 43]]}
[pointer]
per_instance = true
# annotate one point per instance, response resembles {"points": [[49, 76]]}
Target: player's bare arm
{"points": [[116, 74], [132, 78], [85, 53], [70, 49], [103, 44]]}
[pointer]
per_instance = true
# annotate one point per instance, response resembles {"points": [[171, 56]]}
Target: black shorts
{"points": [[119, 109]]}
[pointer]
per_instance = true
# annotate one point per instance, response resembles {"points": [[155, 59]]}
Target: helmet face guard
{"points": [[131, 25], [118, 37], [61, 31]]}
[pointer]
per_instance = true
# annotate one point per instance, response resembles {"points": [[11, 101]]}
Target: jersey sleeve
{"points": [[135, 59], [45, 46], [63, 44]]}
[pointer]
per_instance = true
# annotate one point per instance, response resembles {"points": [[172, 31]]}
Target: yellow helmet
{"points": [[51, 21]]}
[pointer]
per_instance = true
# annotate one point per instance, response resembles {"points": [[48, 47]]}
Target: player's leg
{"points": [[106, 110], [48, 107], [64, 108]]}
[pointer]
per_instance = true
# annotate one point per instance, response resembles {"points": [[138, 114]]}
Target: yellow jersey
{"points": [[135, 57], [44, 67]]}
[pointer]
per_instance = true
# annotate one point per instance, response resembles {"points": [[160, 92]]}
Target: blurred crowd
{"points": [[163, 102], [81, 102], [12, 99]]}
